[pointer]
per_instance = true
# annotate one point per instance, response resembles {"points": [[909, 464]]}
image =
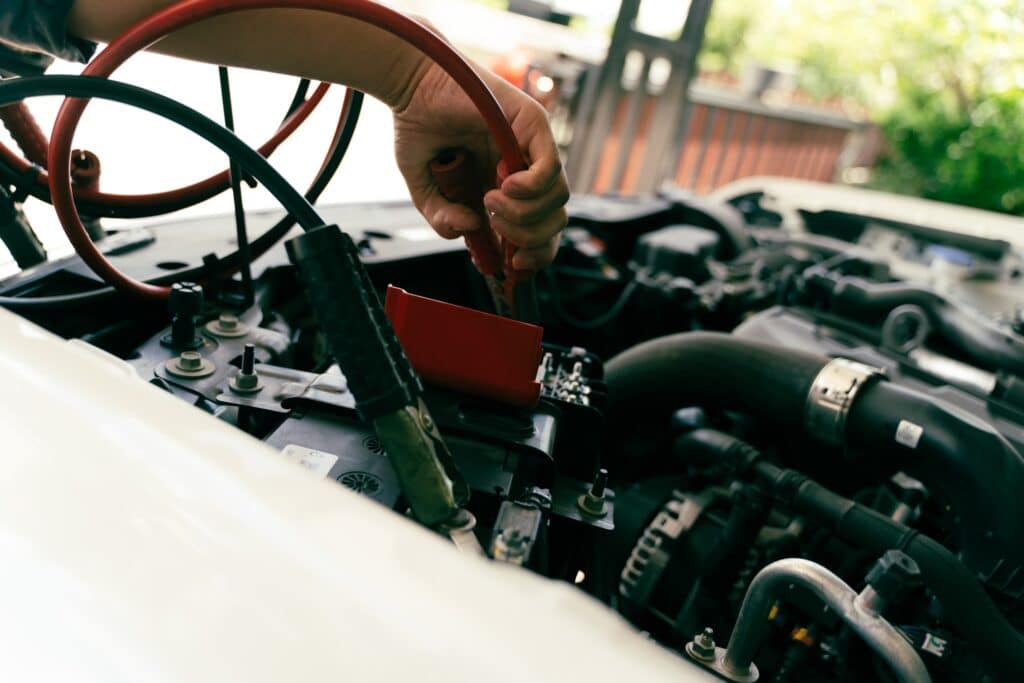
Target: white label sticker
{"points": [[315, 461], [937, 646], [908, 434]]}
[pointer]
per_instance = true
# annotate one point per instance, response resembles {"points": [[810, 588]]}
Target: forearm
{"points": [[315, 45]]}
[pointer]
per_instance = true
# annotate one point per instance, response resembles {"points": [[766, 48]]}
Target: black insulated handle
{"points": [[350, 314]]}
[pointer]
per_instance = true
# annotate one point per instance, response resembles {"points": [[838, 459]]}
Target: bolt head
{"points": [[186, 298], [591, 505], [247, 381], [190, 360], [894, 575], [703, 646]]}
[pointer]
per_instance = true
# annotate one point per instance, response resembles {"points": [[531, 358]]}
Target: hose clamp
{"points": [[832, 393]]}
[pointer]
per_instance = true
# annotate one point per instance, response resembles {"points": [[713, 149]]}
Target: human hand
{"points": [[527, 209]]}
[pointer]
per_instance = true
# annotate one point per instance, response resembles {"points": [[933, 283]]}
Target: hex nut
{"points": [[227, 325], [190, 365]]}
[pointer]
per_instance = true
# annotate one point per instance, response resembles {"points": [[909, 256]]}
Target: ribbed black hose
{"points": [[711, 369]]}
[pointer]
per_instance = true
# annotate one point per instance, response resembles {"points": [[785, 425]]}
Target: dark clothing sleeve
{"points": [[33, 32]]}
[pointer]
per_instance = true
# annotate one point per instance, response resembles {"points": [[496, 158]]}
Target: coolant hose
{"points": [[960, 457]]}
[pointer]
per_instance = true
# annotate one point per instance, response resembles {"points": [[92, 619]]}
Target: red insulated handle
{"points": [[25, 131], [456, 177]]}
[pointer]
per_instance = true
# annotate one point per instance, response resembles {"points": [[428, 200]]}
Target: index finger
{"points": [[543, 172]]}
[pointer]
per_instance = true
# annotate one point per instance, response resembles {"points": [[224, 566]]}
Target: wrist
{"points": [[404, 78], [411, 68]]}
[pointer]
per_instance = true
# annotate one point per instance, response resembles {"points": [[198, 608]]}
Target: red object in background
{"points": [[513, 67], [467, 350], [519, 68]]}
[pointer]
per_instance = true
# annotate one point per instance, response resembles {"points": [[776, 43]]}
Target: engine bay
{"points": [[780, 438], [786, 453]]}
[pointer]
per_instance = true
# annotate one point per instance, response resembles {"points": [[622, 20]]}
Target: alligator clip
{"points": [[512, 291]]}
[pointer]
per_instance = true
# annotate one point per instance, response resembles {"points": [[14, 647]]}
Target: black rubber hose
{"points": [[714, 370], [272, 235], [966, 603], [981, 339], [298, 99], [963, 460]]}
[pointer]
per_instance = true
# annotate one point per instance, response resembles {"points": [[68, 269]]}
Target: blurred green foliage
{"points": [[944, 79]]}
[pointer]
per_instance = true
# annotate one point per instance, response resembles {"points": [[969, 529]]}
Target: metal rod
{"points": [[249, 359], [774, 581], [242, 235]]}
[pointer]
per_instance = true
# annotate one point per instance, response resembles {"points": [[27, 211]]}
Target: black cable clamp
{"points": [[23, 180], [353, 321]]}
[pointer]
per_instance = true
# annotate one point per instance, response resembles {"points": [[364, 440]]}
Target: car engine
{"points": [[784, 443]]}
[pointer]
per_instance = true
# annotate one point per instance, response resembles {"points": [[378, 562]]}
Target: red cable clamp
{"points": [[467, 350]]}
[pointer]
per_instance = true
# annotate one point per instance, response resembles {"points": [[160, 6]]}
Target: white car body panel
{"points": [[789, 195], [144, 540]]}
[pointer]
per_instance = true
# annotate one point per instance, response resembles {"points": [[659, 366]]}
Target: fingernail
{"points": [[492, 208]]}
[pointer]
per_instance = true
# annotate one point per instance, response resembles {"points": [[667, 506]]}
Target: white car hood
{"points": [[143, 540]]}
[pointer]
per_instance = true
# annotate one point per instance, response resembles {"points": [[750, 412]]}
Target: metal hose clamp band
{"points": [[832, 393]]}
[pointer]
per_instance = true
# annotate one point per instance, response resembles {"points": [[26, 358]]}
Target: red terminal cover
{"points": [[467, 350]]}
